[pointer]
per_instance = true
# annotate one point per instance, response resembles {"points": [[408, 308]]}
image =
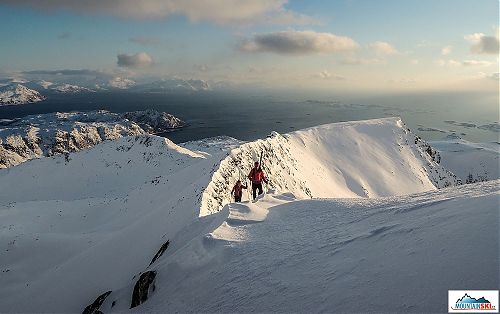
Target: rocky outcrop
{"points": [[66, 132], [94, 308], [143, 287], [160, 252]]}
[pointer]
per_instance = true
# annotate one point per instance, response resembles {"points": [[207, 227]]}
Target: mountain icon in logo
{"points": [[468, 299], [468, 303]]}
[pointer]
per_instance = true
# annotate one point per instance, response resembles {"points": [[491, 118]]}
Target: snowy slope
{"points": [[371, 158], [472, 162], [344, 255], [17, 94], [62, 132], [76, 228]]}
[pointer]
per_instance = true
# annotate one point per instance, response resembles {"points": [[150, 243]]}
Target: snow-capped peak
{"points": [[17, 94], [121, 83], [68, 88], [45, 84]]}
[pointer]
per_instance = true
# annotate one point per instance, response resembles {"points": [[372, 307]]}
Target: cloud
{"points": [[481, 63], [482, 44], [64, 35], [217, 11], [137, 60], [327, 75], [446, 50], [464, 63], [146, 41], [361, 61], [298, 43], [383, 48]]}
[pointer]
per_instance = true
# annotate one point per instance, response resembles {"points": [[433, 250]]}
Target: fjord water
{"points": [[246, 116]]}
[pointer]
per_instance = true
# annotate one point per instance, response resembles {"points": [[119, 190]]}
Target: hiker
{"points": [[237, 191], [256, 175]]}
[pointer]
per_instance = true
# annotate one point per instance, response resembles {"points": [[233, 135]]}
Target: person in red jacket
{"points": [[256, 175], [237, 191]]}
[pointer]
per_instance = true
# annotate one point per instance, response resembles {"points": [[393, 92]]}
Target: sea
{"points": [[250, 115]]}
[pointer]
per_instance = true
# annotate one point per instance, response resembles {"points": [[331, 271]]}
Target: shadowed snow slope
{"points": [[397, 254], [72, 229], [472, 162]]}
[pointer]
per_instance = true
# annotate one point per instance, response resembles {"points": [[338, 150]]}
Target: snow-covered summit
{"points": [[121, 83], [371, 158], [63, 132], [17, 94], [69, 88]]}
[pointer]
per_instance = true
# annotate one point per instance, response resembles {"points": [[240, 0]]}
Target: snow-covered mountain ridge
{"points": [[17, 94], [69, 88], [64, 132], [99, 218], [370, 158]]}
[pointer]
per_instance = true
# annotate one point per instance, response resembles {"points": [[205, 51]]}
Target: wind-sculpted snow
{"points": [[65, 132], [96, 220], [370, 158], [385, 255]]}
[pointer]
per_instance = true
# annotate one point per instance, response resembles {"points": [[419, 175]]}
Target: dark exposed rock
{"points": [[160, 252], [94, 307], [142, 287]]}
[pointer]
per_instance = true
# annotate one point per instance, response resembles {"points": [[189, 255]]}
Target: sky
{"points": [[353, 45]]}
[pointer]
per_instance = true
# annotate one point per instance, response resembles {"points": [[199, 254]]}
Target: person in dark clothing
{"points": [[256, 175], [237, 191]]}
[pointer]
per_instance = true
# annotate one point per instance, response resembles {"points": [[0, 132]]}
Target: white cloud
{"points": [[482, 44], [217, 11], [446, 50], [464, 63], [298, 43], [414, 62], [327, 75], [361, 61], [137, 60], [383, 48], [481, 63]]}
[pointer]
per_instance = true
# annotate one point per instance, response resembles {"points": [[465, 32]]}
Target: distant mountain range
{"points": [[17, 92]]}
